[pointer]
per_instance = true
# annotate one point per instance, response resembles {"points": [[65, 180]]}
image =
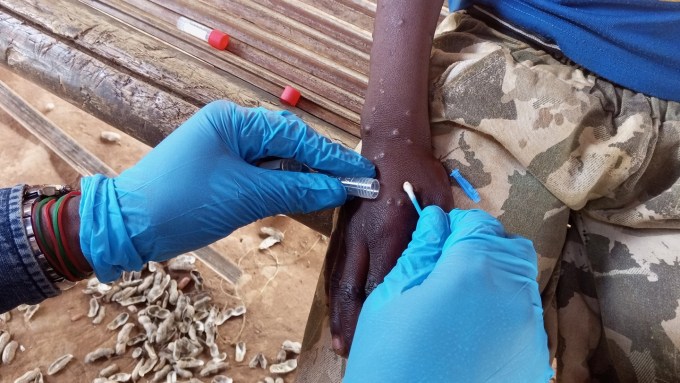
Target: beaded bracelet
{"points": [[37, 240], [79, 263], [40, 237], [47, 215], [51, 235]]}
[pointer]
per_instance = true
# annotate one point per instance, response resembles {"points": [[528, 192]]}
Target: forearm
{"points": [[396, 107]]}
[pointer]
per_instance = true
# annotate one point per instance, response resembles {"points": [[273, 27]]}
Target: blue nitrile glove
{"points": [[200, 184], [461, 305]]}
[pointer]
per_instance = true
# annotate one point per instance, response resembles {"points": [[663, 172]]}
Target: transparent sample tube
{"points": [[217, 39], [361, 187], [193, 28]]}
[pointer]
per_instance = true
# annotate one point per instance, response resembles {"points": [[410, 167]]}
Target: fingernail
{"points": [[337, 343]]}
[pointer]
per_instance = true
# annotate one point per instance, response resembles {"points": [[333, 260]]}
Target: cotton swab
{"points": [[408, 188]]}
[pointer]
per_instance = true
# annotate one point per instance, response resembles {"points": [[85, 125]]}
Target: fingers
{"points": [[336, 246], [288, 192], [418, 260], [524, 249], [471, 225], [258, 133], [466, 223], [478, 244], [388, 247], [347, 293]]}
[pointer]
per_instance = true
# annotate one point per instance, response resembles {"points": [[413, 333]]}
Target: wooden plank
{"points": [[146, 58], [222, 15], [321, 221], [68, 149], [86, 164], [364, 6], [277, 21], [299, 64], [133, 81], [270, 82], [356, 16], [219, 264], [159, 22], [139, 109], [338, 23]]}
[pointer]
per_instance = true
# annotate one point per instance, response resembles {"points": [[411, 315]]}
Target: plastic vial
{"points": [[216, 38], [361, 187]]}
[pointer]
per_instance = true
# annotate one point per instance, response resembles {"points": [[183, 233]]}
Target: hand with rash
{"points": [[372, 234]]}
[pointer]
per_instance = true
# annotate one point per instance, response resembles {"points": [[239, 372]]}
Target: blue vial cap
{"points": [[466, 186]]}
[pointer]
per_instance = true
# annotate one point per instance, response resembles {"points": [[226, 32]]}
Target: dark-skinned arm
{"points": [[372, 234], [72, 227]]}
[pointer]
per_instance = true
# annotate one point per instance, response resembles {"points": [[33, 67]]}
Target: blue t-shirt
{"points": [[634, 43]]}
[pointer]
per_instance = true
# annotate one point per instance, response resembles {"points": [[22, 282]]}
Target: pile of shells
{"points": [[171, 331], [171, 334], [9, 347]]}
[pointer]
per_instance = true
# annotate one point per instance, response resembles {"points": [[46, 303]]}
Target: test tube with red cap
{"points": [[216, 38]]}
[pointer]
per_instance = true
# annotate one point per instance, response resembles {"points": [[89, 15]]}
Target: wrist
{"points": [[44, 222], [57, 235], [71, 217], [104, 239]]}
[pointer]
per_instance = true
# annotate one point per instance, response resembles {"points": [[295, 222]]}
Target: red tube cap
{"points": [[218, 40], [290, 95]]}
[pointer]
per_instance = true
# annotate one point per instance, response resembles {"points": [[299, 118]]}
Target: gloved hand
{"points": [[200, 184], [461, 305]]}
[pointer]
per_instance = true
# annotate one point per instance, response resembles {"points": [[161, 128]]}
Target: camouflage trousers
{"points": [[587, 170]]}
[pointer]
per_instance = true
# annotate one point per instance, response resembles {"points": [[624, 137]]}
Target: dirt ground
{"points": [[277, 285]]}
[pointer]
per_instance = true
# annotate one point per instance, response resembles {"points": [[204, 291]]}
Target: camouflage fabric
{"points": [[587, 170]]}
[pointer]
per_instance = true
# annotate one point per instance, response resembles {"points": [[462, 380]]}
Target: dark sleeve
{"points": [[21, 279]]}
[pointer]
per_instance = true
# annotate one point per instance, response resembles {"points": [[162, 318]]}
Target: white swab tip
{"points": [[408, 188]]}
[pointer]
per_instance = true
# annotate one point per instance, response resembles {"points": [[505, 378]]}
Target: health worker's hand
{"points": [[461, 305], [200, 184]]}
